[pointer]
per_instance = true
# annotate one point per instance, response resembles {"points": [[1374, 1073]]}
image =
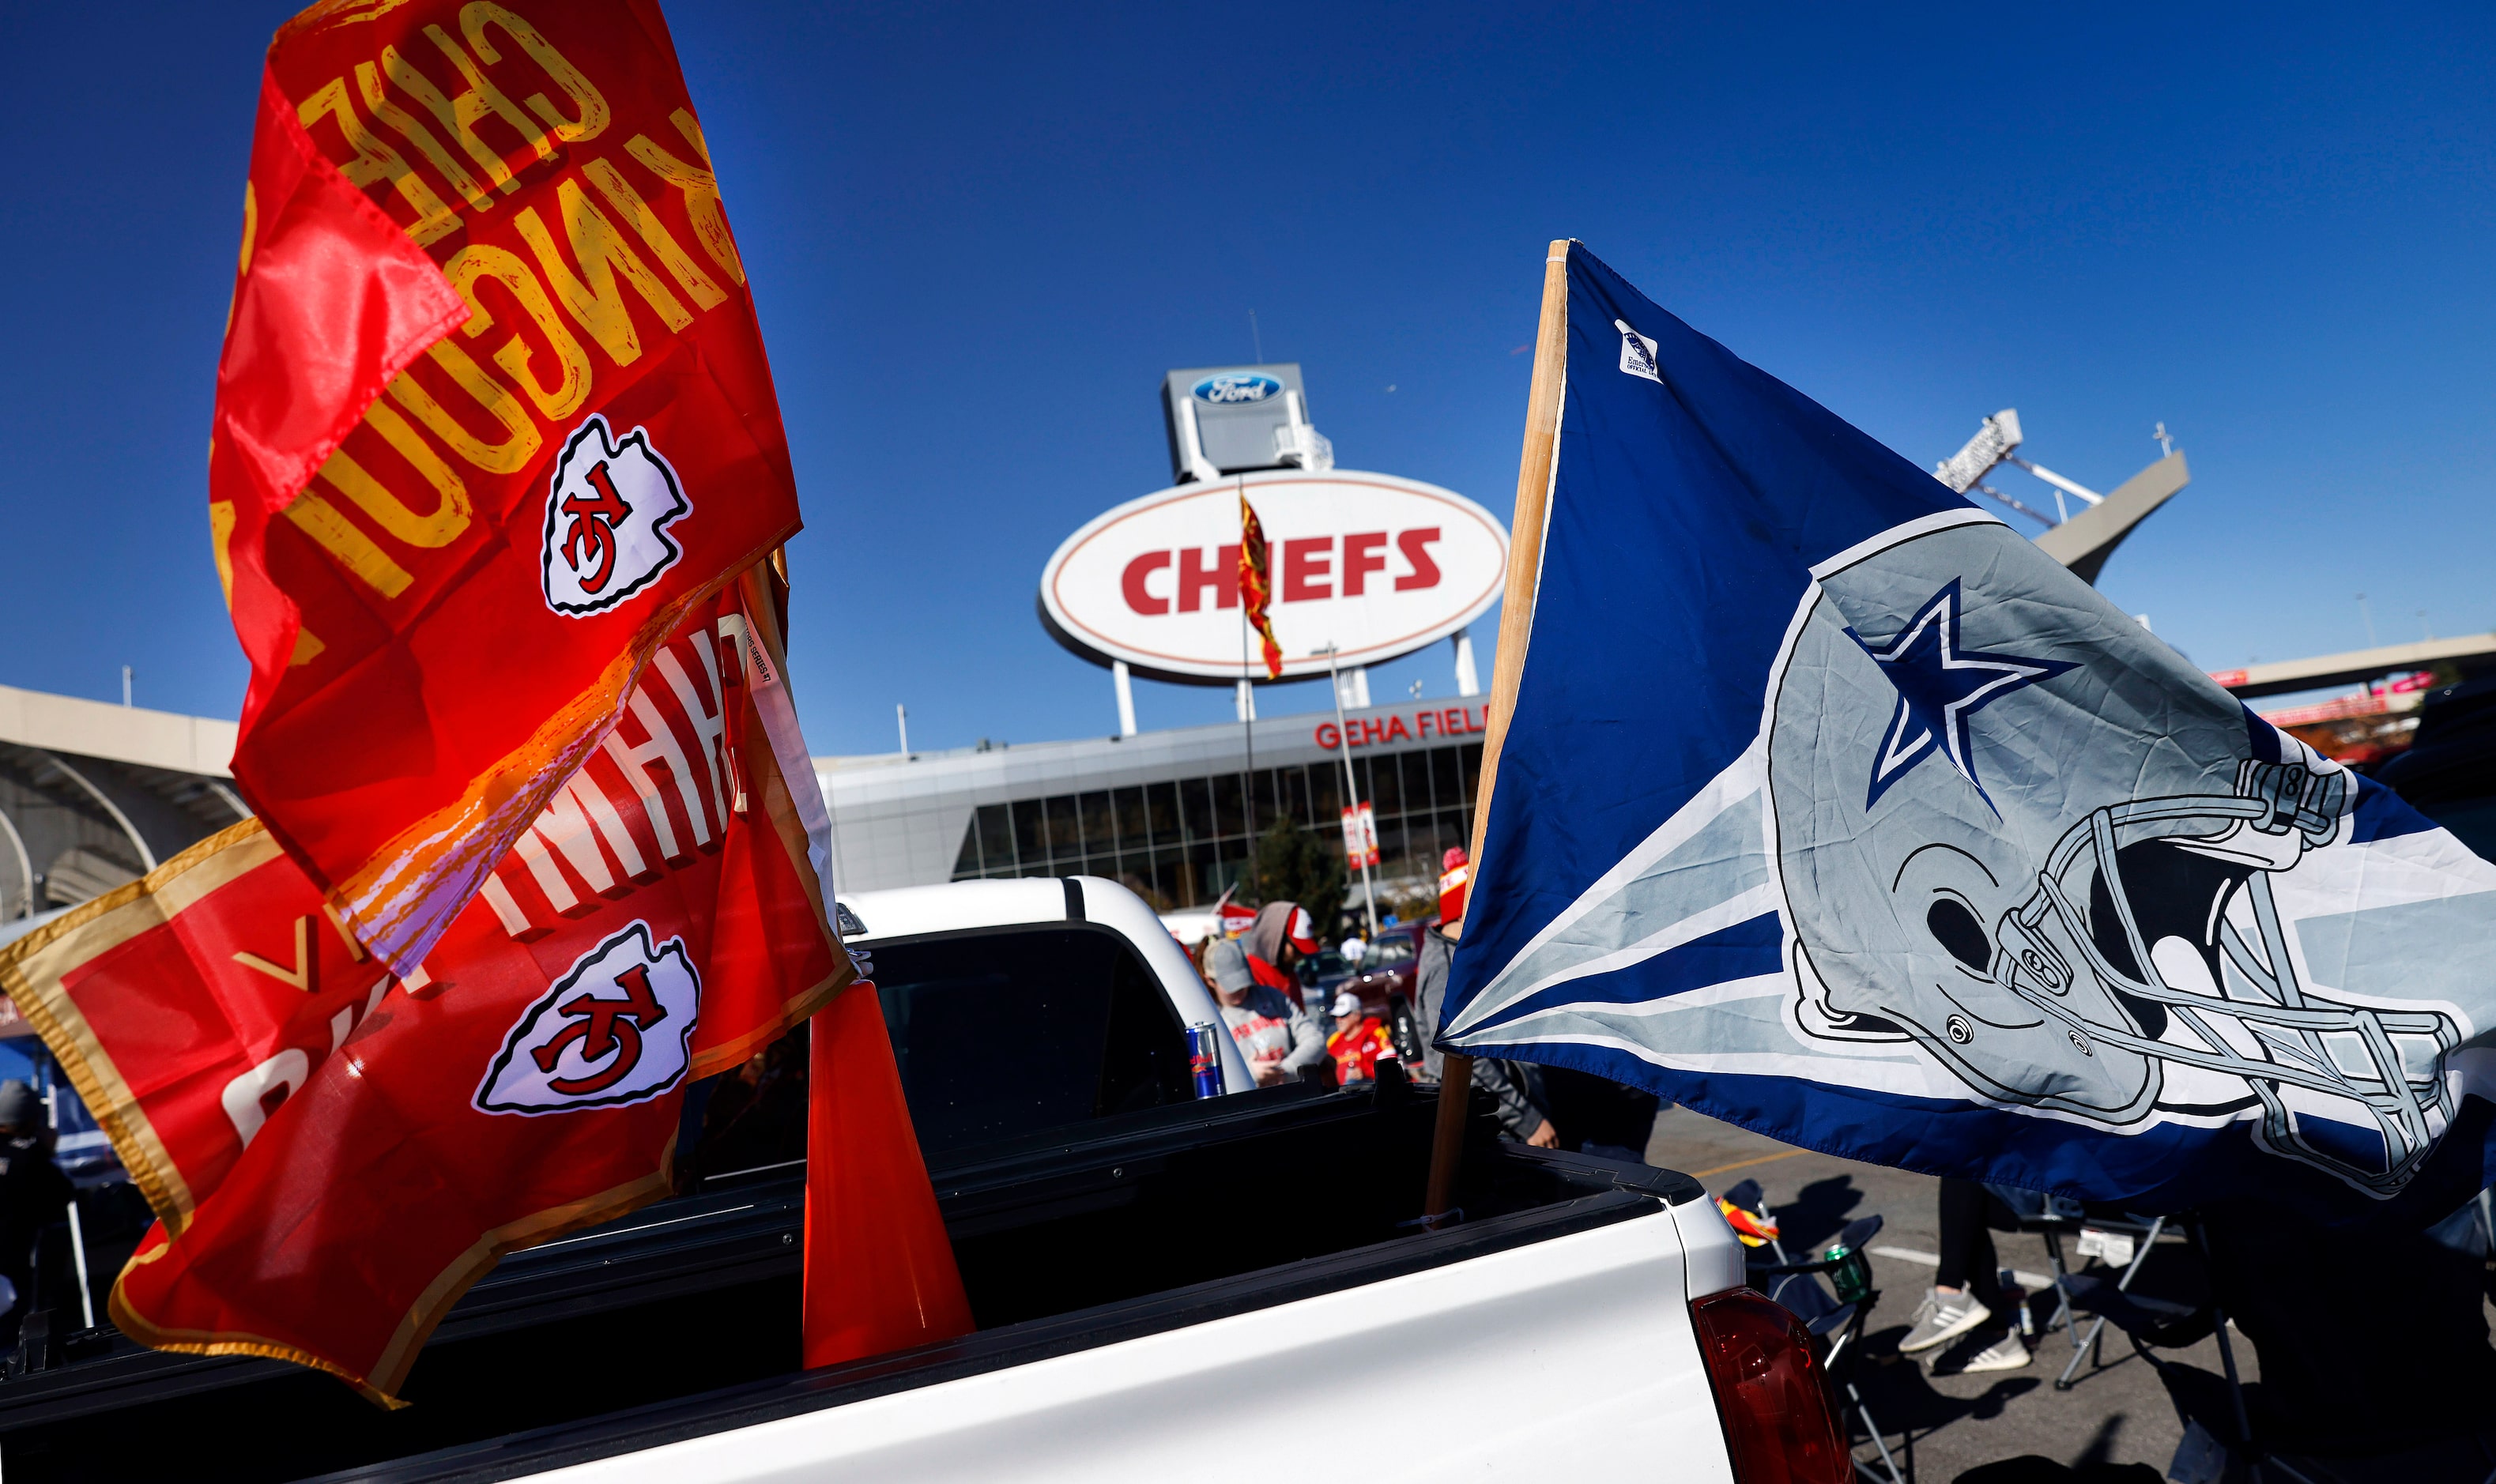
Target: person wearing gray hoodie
{"points": [[1524, 1111], [1279, 1041]]}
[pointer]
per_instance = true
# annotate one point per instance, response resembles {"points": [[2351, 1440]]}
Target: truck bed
{"points": [[680, 1323]]}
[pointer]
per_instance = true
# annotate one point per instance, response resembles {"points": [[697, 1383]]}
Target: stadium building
{"points": [[1170, 814], [93, 795]]}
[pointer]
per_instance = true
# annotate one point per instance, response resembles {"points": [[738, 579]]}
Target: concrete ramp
{"points": [[2084, 542]]}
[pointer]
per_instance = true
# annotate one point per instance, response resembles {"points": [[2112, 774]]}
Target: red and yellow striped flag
{"points": [[1256, 585]]}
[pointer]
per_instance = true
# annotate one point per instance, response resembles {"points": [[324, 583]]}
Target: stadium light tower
{"points": [[1993, 442]]}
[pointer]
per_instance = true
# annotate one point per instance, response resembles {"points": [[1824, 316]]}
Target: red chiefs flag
{"points": [[1256, 585], [336, 1154], [449, 555]]}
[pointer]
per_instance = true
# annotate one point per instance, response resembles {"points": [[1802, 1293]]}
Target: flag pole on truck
{"points": [[1515, 621], [1351, 791]]}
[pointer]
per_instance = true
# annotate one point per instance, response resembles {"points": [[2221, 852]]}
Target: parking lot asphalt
{"points": [[1938, 1426]]}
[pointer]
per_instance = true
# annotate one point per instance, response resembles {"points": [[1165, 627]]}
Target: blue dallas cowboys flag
{"points": [[1833, 808]]}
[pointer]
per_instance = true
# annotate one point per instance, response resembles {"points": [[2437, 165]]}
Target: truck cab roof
{"points": [[878, 918]]}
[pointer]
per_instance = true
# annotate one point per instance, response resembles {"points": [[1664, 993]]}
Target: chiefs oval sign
{"points": [[1372, 564]]}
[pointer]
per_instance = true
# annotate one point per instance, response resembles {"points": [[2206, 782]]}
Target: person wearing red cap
{"points": [[1282, 929], [1359, 1041], [1455, 874]]}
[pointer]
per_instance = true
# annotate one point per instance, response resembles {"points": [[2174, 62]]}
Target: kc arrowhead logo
{"points": [[614, 1029], [607, 519]]}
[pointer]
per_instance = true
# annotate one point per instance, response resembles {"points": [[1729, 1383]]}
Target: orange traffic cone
{"points": [[880, 1272]]}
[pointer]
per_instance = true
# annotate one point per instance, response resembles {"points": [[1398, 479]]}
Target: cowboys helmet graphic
{"points": [[2067, 882], [608, 511]]}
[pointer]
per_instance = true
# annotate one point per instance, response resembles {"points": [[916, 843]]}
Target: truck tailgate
{"points": [[1510, 1347]]}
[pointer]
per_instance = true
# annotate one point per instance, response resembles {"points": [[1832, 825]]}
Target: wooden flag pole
{"points": [[1516, 623]]}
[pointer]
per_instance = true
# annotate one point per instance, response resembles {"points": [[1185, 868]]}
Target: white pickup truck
{"points": [[1167, 1287]]}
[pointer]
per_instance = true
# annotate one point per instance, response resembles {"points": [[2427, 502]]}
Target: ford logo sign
{"points": [[1232, 388]]}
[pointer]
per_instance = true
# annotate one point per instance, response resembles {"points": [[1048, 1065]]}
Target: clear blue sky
{"points": [[978, 235]]}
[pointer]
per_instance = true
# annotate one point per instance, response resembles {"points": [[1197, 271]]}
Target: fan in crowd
{"points": [[1279, 1041]]}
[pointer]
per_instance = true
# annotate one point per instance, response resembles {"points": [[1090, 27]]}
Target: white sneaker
{"points": [[2006, 1353], [1942, 1318]]}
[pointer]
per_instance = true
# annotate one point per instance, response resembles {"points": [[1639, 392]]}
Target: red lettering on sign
{"points": [[1308, 571], [1363, 731], [1361, 556], [1138, 597], [1223, 576], [1416, 546], [1308, 567]]}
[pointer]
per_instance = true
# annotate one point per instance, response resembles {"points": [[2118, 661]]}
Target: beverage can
{"points": [[1204, 1059], [1852, 1277]]}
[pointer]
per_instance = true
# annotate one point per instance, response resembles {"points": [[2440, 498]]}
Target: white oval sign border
{"points": [[1090, 645]]}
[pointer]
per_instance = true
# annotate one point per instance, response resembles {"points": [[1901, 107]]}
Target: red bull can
{"points": [[1204, 1059]]}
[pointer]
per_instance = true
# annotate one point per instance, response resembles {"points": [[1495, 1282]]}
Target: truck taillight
{"points": [[1769, 1391]]}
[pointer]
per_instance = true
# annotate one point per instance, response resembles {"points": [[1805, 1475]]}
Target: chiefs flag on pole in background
{"points": [[1256, 585], [1360, 835], [336, 1153], [493, 417]]}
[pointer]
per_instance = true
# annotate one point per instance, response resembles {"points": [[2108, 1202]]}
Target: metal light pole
{"points": [[1351, 791], [1247, 703]]}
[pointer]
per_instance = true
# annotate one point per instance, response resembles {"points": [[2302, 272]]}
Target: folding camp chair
{"points": [[2156, 1324], [1835, 1320], [2092, 1290], [2153, 1327], [2063, 1219]]}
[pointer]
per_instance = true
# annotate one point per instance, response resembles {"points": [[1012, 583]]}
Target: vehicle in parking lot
{"points": [[1322, 972], [1383, 980], [2449, 773]]}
